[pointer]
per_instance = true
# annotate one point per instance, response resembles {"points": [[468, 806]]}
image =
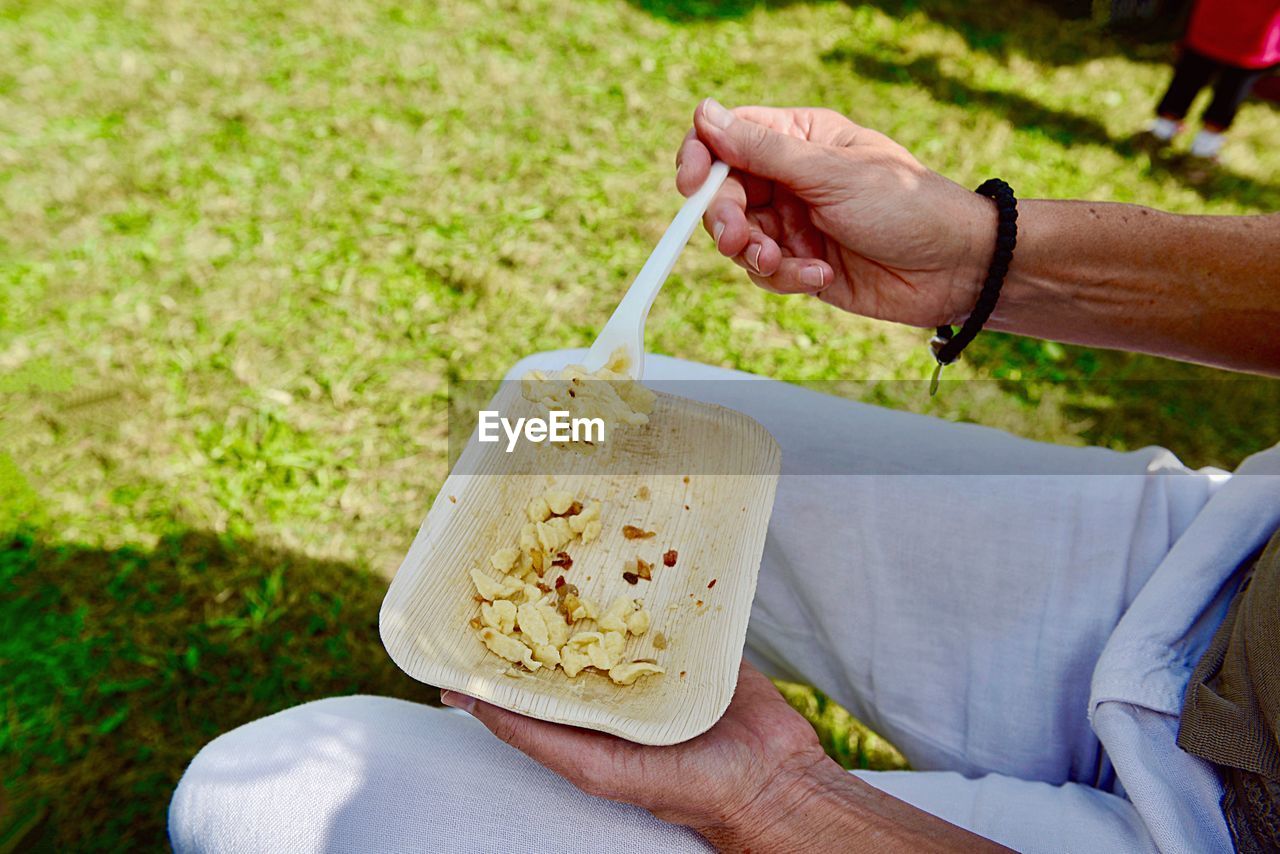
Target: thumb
{"points": [[582, 756], [753, 148], [516, 730]]}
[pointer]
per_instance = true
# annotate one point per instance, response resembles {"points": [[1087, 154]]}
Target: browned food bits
{"points": [[686, 478], [698, 603], [475, 623], [659, 640], [712, 584], [669, 557], [643, 493], [569, 601], [636, 570], [682, 674], [631, 532], [563, 560], [453, 499], [574, 509]]}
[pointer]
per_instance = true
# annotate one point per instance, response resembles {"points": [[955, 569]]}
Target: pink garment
{"points": [[1244, 33]]}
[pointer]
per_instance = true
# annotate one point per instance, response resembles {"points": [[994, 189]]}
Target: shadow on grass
{"points": [[118, 665], [687, 11], [1035, 30], [924, 73], [1061, 126], [1124, 401], [1224, 182]]}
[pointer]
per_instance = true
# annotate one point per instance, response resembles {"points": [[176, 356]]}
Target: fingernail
{"points": [[458, 701], [717, 114], [753, 256], [811, 277], [716, 231]]}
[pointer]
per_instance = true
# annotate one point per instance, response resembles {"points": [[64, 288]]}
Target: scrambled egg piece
{"points": [[504, 559], [608, 394], [614, 618], [554, 534], [558, 501], [580, 608], [538, 510], [494, 590], [587, 523], [547, 654], [638, 622], [500, 615], [530, 623], [508, 647], [628, 672]]}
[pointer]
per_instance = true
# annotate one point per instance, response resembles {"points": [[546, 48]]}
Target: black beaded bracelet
{"points": [[948, 344]]}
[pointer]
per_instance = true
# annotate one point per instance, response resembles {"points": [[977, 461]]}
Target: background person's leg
{"points": [[365, 774], [1230, 90], [1191, 73]]}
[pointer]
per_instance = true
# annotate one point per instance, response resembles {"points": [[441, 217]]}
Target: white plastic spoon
{"points": [[625, 328]]}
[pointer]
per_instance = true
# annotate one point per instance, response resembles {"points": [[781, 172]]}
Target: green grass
{"points": [[120, 661], [246, 247]]}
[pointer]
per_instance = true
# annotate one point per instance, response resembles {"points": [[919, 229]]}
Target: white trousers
{"points": [[961, 615]]}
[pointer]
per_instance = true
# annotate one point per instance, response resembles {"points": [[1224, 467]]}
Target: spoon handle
{"points": [[626, 325]]}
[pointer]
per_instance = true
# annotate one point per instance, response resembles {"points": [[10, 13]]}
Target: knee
{"points": [[241, 784], [197, 811]]}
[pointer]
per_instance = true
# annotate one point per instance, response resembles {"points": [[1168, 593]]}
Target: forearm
{"points": [[1196, 288], [828, 809]]}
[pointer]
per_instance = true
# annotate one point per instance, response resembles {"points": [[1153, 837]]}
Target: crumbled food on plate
{"points": [[608, 394], [532, 616], [631, 532], [636, 570], [669, 557]]}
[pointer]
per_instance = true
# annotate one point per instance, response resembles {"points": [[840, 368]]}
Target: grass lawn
{"points": [[247, 246]]}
